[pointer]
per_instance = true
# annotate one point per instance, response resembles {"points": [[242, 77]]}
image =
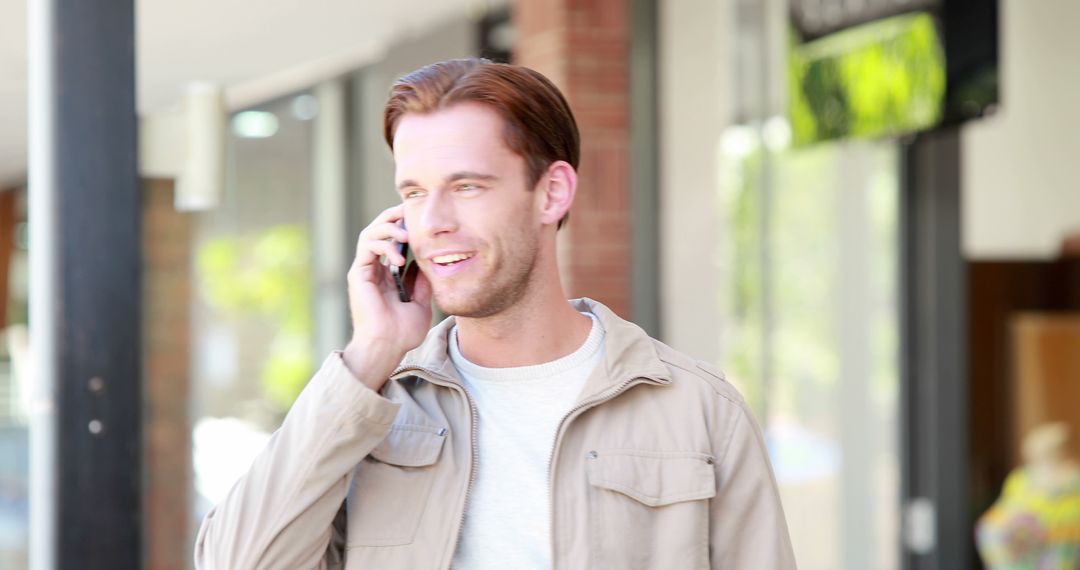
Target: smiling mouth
{"points": [[451, 259]]}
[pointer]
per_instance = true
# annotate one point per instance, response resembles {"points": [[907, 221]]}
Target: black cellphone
{"points": [[399, 271]]}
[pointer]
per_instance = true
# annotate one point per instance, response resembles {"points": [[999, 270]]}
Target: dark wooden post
{"points": [[934, 348]]}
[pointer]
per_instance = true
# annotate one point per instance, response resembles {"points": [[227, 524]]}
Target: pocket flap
{"points": [[654, 478], [410, 445]]}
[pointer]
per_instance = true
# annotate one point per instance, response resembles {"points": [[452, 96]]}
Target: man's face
{"points": [[472, 221]]}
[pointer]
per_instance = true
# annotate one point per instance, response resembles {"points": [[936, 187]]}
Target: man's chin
{"points": [[464, 310], [476, 306]]}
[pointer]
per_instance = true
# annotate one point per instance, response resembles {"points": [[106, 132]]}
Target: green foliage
{"points": [[267, 276], [743, 202]]}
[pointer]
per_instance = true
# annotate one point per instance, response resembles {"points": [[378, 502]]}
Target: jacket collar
{"points": [[629, 353]]}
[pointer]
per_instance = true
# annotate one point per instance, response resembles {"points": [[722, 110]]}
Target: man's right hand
{"points": [[384, 328]]}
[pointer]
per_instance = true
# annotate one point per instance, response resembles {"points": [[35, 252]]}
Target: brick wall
{"points": [[166, 237], [582, 46], [8, 218]]}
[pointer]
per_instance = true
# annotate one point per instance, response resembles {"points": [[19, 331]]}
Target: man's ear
{"points": [[556, 190]]}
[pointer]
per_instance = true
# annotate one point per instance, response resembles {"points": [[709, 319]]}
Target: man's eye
{"points": [[467, 187], [414, 194]]}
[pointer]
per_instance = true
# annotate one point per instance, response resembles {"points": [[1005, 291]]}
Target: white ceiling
{"points": [[257, 49]]}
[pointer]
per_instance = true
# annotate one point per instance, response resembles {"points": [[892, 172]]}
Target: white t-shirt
{"points": [[508, 515]]}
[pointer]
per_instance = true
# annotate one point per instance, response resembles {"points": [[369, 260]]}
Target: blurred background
{"points": [[866, 212]]}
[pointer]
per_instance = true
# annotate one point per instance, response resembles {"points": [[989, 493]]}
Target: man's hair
{"points": [[539, 125]]}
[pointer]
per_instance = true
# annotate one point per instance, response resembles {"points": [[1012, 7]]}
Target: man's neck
{"points": [[534, 331]]}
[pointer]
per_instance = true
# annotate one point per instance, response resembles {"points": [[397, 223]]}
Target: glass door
{"points": [[812, 326]]}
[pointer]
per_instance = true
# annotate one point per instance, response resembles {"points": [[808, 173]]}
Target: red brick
{"points": [[582, 45], [166, 290]]}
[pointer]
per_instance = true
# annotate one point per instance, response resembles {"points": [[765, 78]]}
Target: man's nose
{"points": [[438, 216]]}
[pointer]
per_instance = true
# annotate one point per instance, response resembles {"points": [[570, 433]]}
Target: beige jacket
{"points": [[659, 465]]}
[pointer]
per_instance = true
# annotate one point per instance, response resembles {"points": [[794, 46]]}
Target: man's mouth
{"points": [[450, 259]]}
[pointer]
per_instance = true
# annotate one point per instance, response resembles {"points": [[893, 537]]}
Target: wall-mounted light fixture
{"points": [[187, 144]]}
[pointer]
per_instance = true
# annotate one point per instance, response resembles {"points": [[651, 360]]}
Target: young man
{"points": [[525, 431]]}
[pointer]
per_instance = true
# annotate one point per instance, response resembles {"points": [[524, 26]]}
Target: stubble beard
{"points": [[503, 288]]}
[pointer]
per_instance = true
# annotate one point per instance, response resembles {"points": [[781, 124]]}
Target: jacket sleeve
{"points": [[747, 526], [286, 512]]}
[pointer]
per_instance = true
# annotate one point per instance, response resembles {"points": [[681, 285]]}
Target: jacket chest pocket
{"points": [[390, 488], [649, 509]]}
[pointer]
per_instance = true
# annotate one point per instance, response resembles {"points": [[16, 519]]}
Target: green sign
{"points": [[879, 79]]}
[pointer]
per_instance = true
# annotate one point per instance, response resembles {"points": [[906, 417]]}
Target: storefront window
{"points": [[14, 383], [811, 308], [252, 321]]}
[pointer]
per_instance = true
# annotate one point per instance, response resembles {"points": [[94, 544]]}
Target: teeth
{"points": [[443, 259]]}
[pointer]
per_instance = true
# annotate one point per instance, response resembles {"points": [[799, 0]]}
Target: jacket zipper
{"points": [[605, 396], [436, 379]]}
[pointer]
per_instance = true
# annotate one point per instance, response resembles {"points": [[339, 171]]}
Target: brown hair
{"points": [[539, 124]]}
